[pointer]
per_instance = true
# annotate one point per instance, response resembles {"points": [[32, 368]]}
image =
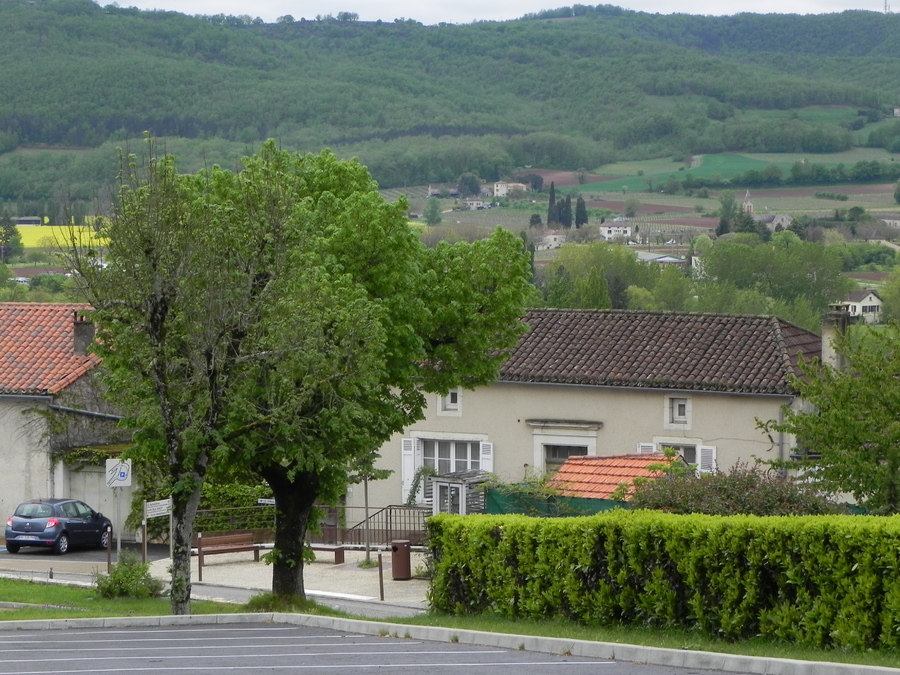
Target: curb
{"points": [[681, 658]]}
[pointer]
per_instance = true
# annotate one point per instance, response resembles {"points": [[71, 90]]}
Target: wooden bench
{"points": [[337, 549], [223, 543]]}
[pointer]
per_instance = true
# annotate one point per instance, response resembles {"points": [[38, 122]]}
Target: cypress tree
{"points": [[581, 214], [551, 208]]}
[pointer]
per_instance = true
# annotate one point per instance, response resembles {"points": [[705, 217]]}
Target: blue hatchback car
{"points": [[57, 523]]}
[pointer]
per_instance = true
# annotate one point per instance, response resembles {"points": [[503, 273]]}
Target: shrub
{"points": [[748, 490], [129, 578]]}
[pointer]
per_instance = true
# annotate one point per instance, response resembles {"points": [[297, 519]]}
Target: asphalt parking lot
{"points": [[90, 555], [257, 648]]}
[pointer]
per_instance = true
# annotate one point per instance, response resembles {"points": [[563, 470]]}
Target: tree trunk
{"points": [[184, 510], [294, 499]]}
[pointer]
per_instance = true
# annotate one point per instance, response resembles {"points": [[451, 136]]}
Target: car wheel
{"points": [[105, 537], [62, 544], [12, 548]]}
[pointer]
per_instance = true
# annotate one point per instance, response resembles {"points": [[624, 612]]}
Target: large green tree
{"points": [[785, 269], [433, 212], [284, 320], [849, 431]]}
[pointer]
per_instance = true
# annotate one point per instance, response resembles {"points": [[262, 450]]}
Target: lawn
{"points": [[54, 601]]}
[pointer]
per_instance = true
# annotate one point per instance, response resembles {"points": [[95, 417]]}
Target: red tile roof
{"points": [[660, 350], [37, 348], [599, 477]]}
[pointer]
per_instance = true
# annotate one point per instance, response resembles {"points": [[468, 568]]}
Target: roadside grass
{"points": [[56, 601], [667, 638]]}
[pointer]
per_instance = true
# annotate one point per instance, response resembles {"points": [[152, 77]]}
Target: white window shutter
{"points": [[407, 467], [487, 457], [707, 458], [646, 448]]}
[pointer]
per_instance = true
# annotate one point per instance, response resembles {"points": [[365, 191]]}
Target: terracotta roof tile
{"points": [[661, 350], [37, 348], [598, 477]]}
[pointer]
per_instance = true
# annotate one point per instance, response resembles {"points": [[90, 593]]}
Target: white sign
{"points": [[265, 502], [158, 509], [118, 473]]}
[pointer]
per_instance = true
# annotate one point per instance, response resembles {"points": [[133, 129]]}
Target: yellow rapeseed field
{"points": [[52, 236]]}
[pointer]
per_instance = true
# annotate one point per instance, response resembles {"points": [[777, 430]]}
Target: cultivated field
{"points": [[52, 236]]}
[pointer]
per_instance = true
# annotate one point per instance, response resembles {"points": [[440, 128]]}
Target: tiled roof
{"points": [[660, 350], [598, 477], [37, 348], [860, 295]]}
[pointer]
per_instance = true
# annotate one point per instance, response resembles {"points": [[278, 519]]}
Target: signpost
{"points": [[158, 509], [118, 475]]}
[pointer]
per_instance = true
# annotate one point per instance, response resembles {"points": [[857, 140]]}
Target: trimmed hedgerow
{"points": [[825, 581]]}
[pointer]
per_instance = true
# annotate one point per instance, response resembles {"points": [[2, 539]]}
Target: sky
{"points": [[467, 11]]}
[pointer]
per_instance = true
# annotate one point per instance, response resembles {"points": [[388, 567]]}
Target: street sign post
{"points": [[158, 509], [118, 475]]}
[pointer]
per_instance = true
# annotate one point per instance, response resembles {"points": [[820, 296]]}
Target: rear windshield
{"points": [[34, 511]]}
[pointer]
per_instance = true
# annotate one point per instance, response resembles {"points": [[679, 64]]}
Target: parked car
{"points": [[60, 523]]}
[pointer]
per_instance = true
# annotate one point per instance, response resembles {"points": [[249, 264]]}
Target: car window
{"points": [[69, 510], [34, 510], [84, 510]]}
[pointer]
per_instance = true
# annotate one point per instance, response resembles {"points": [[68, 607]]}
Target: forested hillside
{"points": [[569, 88]]}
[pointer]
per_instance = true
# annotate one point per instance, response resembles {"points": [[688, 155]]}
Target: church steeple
{"points": [[747, 206]]}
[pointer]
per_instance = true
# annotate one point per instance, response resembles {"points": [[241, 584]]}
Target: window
{"points": [[451, 456], [449, 499], [702, 456], [442, 453], [677, 412], [556, 455], [449, 404], [555, 440]]}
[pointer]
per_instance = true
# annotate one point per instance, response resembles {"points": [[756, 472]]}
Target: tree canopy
{"points": [[848, 432], [648, 85], [283, 320]]}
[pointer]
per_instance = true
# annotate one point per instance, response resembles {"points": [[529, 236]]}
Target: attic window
{"points": [[449, 403], [678, 410]]}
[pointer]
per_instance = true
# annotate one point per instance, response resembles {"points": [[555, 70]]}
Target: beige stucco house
{"points": [[609, 382]]}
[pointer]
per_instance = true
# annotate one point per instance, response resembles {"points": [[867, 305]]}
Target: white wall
{"points": [[22, 450]]}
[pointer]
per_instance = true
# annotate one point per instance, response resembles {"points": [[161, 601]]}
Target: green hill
{"points": [[569, 88]]}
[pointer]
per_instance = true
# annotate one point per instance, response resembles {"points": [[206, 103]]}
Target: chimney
{"points": [[84, 333], [834, 327]]}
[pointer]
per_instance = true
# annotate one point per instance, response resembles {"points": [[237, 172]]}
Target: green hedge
{"points": [[824, 581]]}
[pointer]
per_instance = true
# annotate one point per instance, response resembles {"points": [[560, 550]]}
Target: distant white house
{"points": [[474, 203], [775, 221], [552, 239], [502, 188], [864, 305], [615, 230]]}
